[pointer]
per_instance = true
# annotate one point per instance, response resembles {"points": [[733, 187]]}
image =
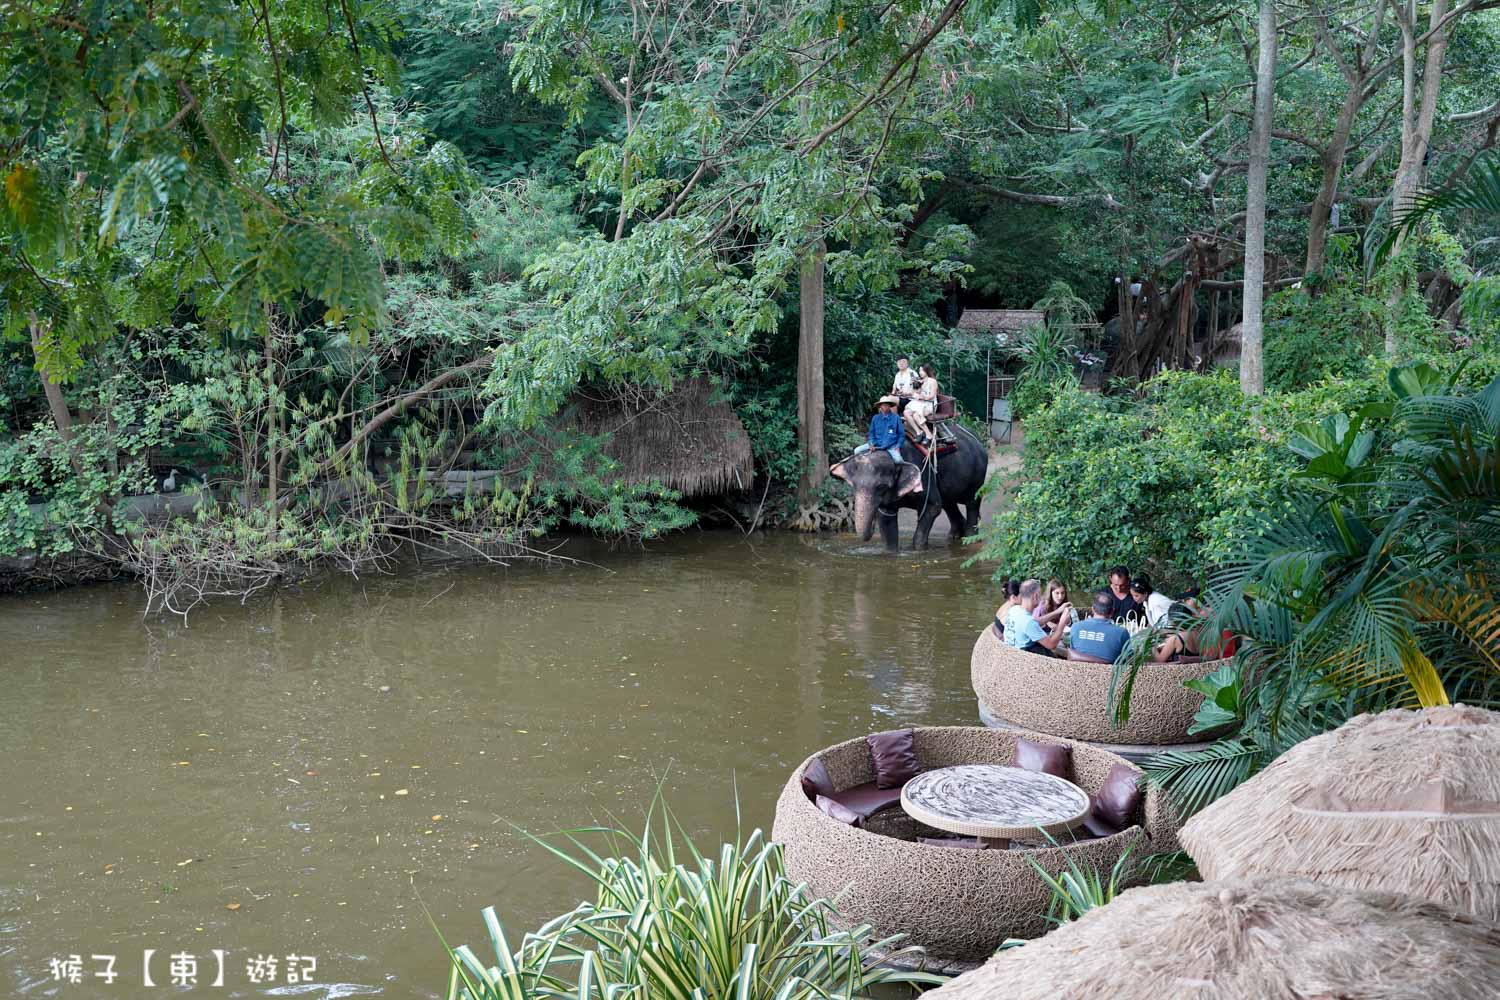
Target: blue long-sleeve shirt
{"points": [[885, 430]]}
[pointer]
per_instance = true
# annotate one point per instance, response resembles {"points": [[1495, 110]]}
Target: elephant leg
{"points": [[924, 526], [890, 532], [972, 508], [956, 523]]}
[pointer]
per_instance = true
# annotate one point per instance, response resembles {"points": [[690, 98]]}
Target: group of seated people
{"points": [[1041, 621]]}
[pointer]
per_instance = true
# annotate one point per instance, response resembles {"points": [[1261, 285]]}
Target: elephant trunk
{"points": [[864, 513]]}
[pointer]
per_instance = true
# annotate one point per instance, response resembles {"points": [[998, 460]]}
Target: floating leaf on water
{"points": [[401, 791], [437, 817], [231, 906]]}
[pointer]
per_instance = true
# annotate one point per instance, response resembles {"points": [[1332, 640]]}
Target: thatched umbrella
{"points": [[1272, 940], [1404, 801]]}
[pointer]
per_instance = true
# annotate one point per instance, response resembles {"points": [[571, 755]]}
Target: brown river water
{"points": [[288, 777]]}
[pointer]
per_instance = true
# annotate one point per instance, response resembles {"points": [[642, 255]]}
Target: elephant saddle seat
{"points": [[941, 421]]}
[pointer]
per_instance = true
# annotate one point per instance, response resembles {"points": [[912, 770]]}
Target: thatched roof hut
{"points": [[1272, 940], [1403, 801], [689, 439]]}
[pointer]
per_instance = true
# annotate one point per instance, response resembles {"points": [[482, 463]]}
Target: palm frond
{"points": [[1194, 778], [1478, 191]]}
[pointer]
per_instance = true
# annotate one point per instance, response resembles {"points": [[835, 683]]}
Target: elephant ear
{"points": [[839, 472], [908, 478]]}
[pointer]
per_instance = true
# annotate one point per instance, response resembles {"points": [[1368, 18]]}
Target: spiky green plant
{"points": [[670, 922], [1077, 891]]}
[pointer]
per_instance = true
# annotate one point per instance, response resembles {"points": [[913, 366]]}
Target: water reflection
{"points": [[320, 756]]}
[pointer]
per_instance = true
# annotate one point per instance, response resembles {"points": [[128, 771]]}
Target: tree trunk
{"points": [[1252, 364], [1416, 132], [273, 425], [62, 417], [1333, 165], [810, 376], [1363, 77]]}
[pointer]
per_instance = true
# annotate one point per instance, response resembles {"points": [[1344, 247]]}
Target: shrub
{"points": [[1165, 482]]}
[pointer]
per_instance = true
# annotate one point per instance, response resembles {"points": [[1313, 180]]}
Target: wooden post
{"points": [[810, 375]]}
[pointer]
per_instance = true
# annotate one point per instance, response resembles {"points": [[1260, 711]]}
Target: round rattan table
{"points": [[993, 802]]}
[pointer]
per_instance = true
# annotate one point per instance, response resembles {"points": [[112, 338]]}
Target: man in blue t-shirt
{"points": [[885, 430], [1023, 631], [1098, 636]]}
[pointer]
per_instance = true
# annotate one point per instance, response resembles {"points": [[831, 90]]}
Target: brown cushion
{"points": [[1049, 758], [972, 843], [1119, 796], [1078, 657], [1093, 827], [815, 779], [895, 757], [868, 799], [837, 810]]}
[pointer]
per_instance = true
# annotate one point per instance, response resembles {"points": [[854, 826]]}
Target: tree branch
{"points": [[398, 407], [916, 48]]}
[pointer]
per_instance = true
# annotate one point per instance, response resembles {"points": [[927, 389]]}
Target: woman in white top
{"points": [[1157, 605], [923, 402]]}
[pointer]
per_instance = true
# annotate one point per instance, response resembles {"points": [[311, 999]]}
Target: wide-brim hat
{"points": [[888, 399]]}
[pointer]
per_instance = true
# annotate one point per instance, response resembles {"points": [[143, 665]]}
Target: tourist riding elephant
{"points": [[883, 486]]}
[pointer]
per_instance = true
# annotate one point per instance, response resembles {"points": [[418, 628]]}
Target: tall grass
{"points": [[668, 922]]}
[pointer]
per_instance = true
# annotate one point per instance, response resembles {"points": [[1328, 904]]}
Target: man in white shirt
{"points": [[905, 385]]}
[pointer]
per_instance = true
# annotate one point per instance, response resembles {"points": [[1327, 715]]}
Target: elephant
{"points": [[883, 486]]}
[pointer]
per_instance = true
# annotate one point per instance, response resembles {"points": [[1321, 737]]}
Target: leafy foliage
{"points": [[1164, 484], [162, 150], [1373, 587]]}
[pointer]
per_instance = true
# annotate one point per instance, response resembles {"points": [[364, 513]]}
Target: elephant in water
{"points": [[882, 486]]}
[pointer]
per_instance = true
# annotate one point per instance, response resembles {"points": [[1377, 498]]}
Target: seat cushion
{"points": [[1049, 758], [971, 843], [895, 757], [1093, 827], [815, 779], [1119, 796], [838, 811], [867, 799]]}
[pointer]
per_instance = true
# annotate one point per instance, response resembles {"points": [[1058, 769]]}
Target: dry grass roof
{"points": [[1403, 801], [688, 439], [1271, 940]]}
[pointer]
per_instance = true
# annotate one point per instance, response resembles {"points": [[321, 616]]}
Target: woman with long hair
{"points": [[923, 402], [1049, 613]]}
